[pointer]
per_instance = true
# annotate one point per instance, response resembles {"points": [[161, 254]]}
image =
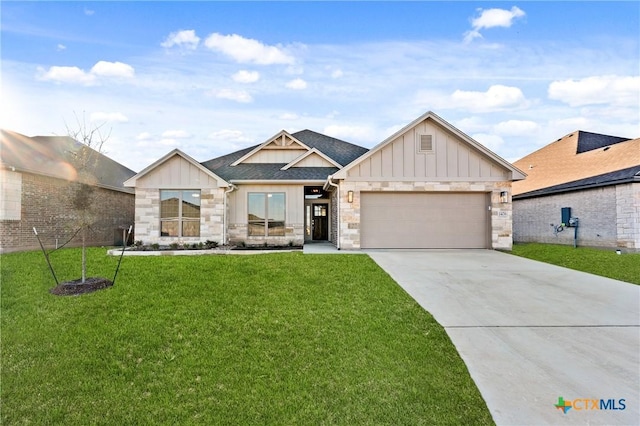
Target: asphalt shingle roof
{"points": [[340, 151], [575, 157], [631, 174], [55, 155]]}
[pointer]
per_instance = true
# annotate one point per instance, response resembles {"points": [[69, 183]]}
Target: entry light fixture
{"points": [[504, 197], [350, 196]]}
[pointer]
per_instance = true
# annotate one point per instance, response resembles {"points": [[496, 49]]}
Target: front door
{"points": [[320, 222]]}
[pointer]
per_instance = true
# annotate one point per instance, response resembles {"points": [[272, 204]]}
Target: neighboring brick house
{"points": [[596, 176], [37, 184], [427, 186]]}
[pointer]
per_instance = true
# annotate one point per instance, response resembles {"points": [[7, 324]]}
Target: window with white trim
{"points": [[180, 213]]}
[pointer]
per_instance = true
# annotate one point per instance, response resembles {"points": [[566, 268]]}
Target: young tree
{"points": [[85, 160]]}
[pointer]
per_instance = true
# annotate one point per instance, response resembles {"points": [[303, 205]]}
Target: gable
{"points": [[176, 170], [427, 149], [313, 160], [280, 149]]}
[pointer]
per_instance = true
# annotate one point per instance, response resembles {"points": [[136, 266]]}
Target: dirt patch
{"points": [[76, 287]]}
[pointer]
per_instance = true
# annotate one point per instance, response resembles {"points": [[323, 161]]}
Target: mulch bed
{"points": [[76, 287]]}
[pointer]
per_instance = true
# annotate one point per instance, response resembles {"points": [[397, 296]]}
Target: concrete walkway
{"points": [[530, 332]]}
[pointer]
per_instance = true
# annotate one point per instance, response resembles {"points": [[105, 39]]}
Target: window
{"points": [[180, 213], [265, 214]]}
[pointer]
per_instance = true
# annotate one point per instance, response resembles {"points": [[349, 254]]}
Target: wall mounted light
{"points": [[350, 196], [504, 197]]}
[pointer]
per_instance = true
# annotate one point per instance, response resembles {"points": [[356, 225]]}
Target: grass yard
{"points": [[607, 263], [266, 339]]}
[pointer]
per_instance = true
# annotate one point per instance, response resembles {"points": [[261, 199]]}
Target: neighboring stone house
{"points": [[596, 176], [37, 184], [427, 186]]}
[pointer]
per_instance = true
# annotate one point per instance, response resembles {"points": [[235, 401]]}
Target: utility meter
{"points": [[573, 221]]}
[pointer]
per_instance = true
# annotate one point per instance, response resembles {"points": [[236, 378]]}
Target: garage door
{"points": [[424, 220]]}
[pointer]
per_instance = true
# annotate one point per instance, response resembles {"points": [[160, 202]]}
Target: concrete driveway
{"points": [[530, 332]]}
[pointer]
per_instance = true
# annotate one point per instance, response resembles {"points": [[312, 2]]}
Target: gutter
{"points": [[338, 210], [224, 213]]}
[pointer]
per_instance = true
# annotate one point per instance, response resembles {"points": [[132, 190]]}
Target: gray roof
{"points": [[588, 141], [340, 151], [53, 155], [631, 174]]}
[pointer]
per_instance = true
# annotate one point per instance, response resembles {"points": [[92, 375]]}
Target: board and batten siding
{"points": [[451, 159], [282, 155], [177, 173]]}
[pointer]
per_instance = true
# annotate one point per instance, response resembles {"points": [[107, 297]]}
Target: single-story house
{"points": [[38, 183], [427, 186], [594, 178]]}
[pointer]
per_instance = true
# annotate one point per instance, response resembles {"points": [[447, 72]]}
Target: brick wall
{"points": [[608, 217], [628, 215], [46, 205]]}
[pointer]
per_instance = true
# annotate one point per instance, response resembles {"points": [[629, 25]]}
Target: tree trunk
{"points": [[84, 257]]}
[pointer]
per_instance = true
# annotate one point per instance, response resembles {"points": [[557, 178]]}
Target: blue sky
{"points": [[212, 77]]}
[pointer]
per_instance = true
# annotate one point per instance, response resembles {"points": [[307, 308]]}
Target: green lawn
{"points": [[266, 339], [607, 263]]}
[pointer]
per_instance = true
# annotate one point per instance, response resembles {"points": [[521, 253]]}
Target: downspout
{"points": [[338, 209], [224, 213]]}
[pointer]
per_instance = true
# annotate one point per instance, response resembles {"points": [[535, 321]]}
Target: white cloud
{"points": [[228, 135], [297, 84], [607, 89], [75, 75], [89, 12], [244, 76], [60, 47], [337, 73], [493, 142], [348, 133], [143, 136], [496, 98], [184, 38], [472, 124], [246, 50], [233, 95], [72, 75], [103, 117], [175, 134], [516, 128], [113, 69], [288, 116], [491, 18]]}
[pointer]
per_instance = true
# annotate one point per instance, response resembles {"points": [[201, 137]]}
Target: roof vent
{"points": [[425, 143]]}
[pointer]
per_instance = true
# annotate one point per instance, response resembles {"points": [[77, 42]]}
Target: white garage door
{"points": [[424, 220]]}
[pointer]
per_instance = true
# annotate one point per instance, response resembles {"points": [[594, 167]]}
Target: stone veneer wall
{"points": [[45, 203], [501, 214], [608, 217], [333, 236], [294, 235], [148, 217]]}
